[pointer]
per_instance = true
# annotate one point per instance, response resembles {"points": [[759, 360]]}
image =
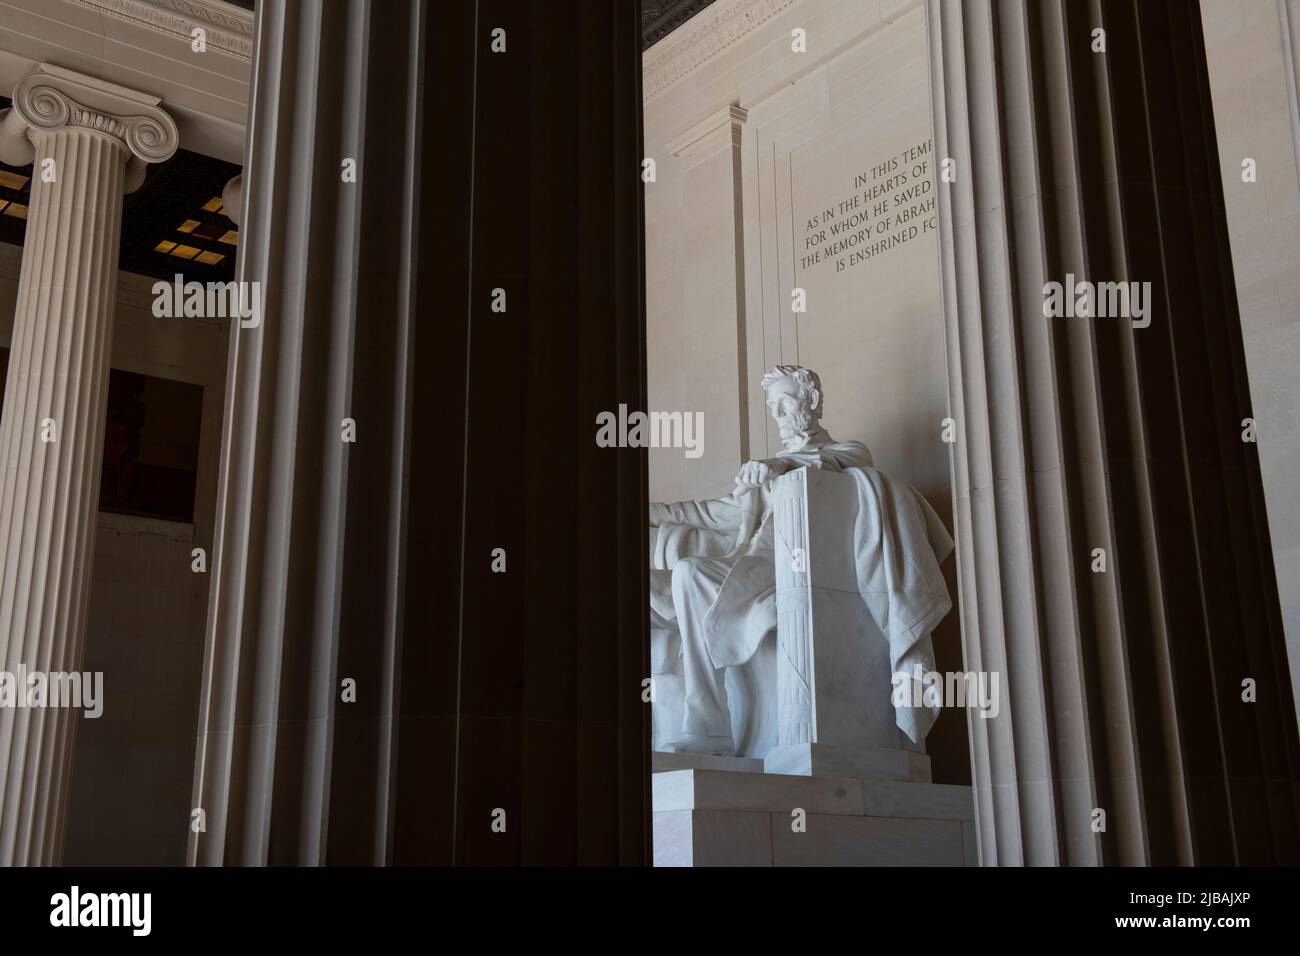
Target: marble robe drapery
{"points": [[898, 544]]}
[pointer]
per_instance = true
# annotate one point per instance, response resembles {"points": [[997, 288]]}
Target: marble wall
{"points": [[1251, 50]]}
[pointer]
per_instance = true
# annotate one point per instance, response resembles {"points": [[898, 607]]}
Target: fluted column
{"points": [[90, 142], [1112, 547], [427, 629]]}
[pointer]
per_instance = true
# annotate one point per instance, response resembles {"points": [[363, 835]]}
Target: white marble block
{"points": [[722, 818], [835, 715]]}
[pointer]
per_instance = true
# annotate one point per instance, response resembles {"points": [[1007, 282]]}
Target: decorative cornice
{"points": [[52, 98], [703, 37], [229, 28]]}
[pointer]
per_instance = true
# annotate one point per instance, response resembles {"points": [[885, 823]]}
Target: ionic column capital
{"points": [[232, 197], [50, 99]]}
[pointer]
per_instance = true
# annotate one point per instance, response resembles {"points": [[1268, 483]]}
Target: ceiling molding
{"points": [[701, 38], [661, 17], [229, 28]]}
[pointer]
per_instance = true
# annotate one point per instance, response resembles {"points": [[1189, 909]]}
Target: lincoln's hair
{"points": [[810, 386]]}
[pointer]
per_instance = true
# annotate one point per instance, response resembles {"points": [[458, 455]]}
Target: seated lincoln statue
{"points": [[713, 580]]}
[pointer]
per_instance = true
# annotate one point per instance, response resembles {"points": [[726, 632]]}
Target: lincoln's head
{"points": [[794, 395]]}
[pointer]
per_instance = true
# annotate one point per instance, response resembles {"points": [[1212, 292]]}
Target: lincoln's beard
{"points": [[797, 427]]}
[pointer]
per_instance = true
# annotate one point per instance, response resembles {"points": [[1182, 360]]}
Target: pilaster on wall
{"points": [[713, 280]]}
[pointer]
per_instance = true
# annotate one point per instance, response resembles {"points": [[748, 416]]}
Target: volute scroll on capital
{"points": [[51, 98]]}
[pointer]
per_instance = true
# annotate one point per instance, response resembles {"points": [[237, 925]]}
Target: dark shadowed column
{"points": [[1113, 552], [472, 562]]}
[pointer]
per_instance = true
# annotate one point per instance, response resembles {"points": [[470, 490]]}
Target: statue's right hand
{"points": [[659, 514]]}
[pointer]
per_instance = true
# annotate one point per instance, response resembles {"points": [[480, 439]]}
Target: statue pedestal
{"points": [[726, 818], [827, 760], [661, 761]]}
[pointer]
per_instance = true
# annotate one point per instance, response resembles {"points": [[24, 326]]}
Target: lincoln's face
{"points": [[792, 415]]}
